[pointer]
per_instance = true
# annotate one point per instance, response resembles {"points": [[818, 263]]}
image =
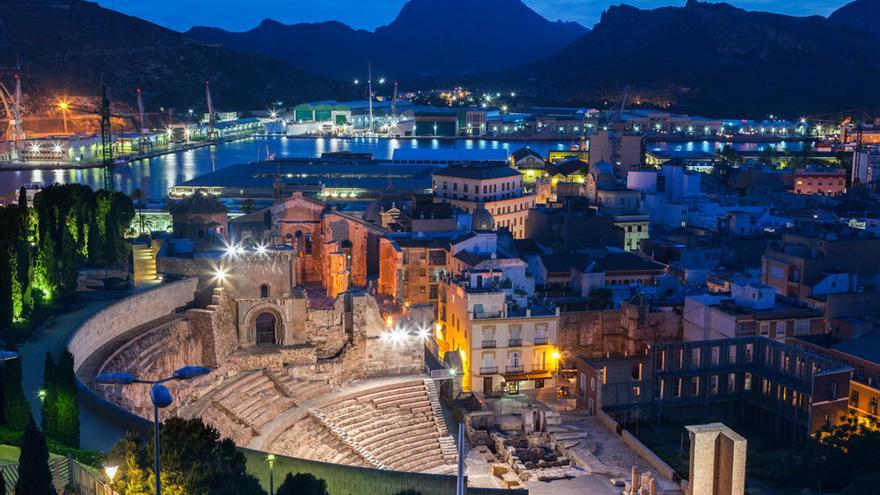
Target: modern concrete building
{"points": [[787, 390]]}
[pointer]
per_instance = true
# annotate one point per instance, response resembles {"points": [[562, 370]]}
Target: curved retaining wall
{"points": [[128, 313], [112, 322]]}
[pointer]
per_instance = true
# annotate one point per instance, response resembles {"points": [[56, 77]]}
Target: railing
{"points": [[514, 342], [541, 340], [487, 315], [514, 369], [540, 368], [488, 370], [488, 344]]}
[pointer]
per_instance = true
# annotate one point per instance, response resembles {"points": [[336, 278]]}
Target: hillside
{"points": [[861, 15], [713, 59], [78, 43], [428, 37]]}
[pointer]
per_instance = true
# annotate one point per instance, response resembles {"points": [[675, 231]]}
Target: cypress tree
{"points": [[47, 409], [66, 408], [16, 409], [34, 476]]}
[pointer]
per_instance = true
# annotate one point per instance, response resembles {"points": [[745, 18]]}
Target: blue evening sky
{"points": [[241, 15]]}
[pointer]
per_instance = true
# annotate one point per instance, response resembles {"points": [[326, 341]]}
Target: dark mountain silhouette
{"points": [[66, 47], [713, 59], [428, 37], [861, 15]]}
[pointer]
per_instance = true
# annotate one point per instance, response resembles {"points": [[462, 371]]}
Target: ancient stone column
{"points": [[718, 460], [635, 480]]}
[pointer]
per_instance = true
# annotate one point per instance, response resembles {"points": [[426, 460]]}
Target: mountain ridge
{"points": [[427, 37]]}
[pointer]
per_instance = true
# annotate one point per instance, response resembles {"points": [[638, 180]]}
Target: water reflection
{"points": [[156, 175]]}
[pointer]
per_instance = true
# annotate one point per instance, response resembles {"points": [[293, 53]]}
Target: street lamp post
{"points": [[160, 396], [271, 460]]}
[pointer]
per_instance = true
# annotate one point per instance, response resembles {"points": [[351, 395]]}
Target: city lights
{"points": [[220, 274]]}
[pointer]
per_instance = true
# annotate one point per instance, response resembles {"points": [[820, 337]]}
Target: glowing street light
{"points": [[357, 81], [110, 471], [270, 459], [64, 106], [381, 80]]}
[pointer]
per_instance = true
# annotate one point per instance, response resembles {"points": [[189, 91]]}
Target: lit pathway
{"points": [[95, 432]]}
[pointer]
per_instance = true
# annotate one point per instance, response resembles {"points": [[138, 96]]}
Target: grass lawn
{"points": [[9, 454]]}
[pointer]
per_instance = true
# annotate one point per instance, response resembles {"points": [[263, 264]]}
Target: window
{"points": [[731, 383], [872, 406], [716, 355], [731, 354], [747, 382], [713, 385], [264, 290], [854, 398]]}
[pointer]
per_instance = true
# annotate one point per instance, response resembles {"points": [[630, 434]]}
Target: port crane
{"points": [[12, 106], [104, 113]]}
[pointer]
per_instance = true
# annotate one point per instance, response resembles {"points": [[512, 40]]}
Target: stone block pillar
{"points": [[718, 460]]}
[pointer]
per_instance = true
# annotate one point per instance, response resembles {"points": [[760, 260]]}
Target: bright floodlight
{"points": [[398, 336], [115, 379], [111, 472], [188, 372], [381, 80], [357, 81], [261, 249], [220, 274], [423, 333]]}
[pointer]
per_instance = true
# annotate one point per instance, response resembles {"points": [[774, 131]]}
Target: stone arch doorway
{"points": [[266, 326]]}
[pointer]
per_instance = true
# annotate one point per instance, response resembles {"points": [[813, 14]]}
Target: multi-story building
{"points": [[825, 181], [863, 354], [749, 309], [491, 192], [505, 341], [787, 390], [792, 265], [635, 229]]}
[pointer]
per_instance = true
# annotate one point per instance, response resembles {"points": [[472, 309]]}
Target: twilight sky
{"points": [[241, 15]]}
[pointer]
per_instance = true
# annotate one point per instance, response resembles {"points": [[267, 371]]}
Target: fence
{"points": [[65, 471]]}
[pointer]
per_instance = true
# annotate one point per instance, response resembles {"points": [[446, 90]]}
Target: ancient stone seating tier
{"points": [[393, 426], [310, 439], [242, 406]]}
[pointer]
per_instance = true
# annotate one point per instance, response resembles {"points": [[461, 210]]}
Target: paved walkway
{"points": [[95, 432]]}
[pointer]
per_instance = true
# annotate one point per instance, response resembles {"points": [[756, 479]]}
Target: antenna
{"points": [[370, 89], [141, 110]]}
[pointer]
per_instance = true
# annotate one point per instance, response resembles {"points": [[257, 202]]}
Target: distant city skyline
{"points": [[230, 14]]}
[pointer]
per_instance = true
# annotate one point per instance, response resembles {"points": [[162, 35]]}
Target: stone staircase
{"points": [[448, 447], [343, 436]]}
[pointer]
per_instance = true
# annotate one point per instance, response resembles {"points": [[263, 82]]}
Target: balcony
{"points": [[487, 315], [488, 344], [541, 340], [488, 370], [514, 342], [513, 369]]}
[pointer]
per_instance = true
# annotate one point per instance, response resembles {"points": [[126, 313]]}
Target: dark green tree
{"points": [[867, 485], [302, 484], [34, 476], [195, 461], [134, 475], [66, 407], [2, 484], [47, 409], [16, 409]]}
